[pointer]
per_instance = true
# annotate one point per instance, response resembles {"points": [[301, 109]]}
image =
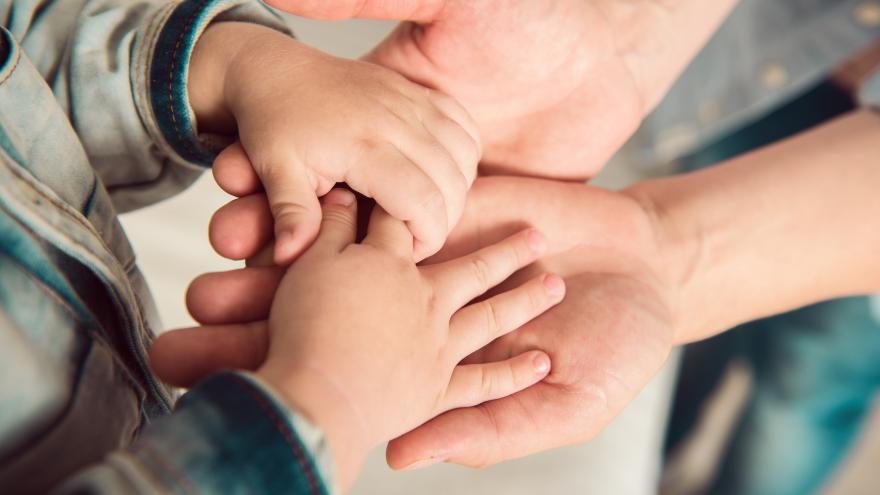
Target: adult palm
{"points": [[555, 86], [606, 340]]}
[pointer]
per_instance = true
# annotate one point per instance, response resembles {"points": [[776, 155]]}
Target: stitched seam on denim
{"points": [[177, 475], [142, 81], [144, 102], [66, 208], [96, 336], [14, 64], [76, 216], [295, 447], [171, 94]]}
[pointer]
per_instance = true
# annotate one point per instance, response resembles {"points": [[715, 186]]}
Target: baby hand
{"points": [[369, 345], [307, 120]]}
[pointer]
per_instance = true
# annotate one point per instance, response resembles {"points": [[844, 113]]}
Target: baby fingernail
{"points": [[554, 284], [542, 364], [536, 241], [422, 463]]}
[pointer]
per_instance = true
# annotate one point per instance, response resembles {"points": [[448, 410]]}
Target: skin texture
{"points": [[310, 120], [356, 329], [664, 262], [555, 86], [606, 339]]}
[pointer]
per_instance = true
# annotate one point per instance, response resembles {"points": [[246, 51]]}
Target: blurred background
{"points": [[625, 459]]}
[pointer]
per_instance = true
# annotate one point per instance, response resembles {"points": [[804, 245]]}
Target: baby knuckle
{"points": [[481, 273], [289, 210], [537, 298], [491, 318], [432, 200], [339, 216], [487, 383]]}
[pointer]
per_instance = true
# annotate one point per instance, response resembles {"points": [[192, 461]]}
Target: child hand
{"points": [[307, 120], [368, 345]]}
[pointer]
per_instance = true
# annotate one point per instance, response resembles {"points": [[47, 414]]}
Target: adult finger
{"points": [[183, 357], [412, 10], [234, 173], [540, 417], [461, 280], [240, 228], [478, 324], [235, 296], [407, 193], [473, 384]]}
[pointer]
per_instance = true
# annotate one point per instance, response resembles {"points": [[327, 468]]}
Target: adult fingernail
{"points": [[554, 285], [536, 241], [422, 463], [541, 363], [340, 197]]}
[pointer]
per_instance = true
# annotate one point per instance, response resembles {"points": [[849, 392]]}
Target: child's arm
{"points": [[308, 120], [118, 67]]}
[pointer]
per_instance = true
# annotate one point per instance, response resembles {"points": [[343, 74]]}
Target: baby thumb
{"points": [[296, 210]]}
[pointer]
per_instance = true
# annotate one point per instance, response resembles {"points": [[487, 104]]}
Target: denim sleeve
{"points": [[228, 435], [119, 70]]}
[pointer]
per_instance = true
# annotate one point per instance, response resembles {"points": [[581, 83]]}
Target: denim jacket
{"points": [[94, 119]]}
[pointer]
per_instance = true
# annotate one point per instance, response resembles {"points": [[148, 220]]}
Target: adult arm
{"points": [[783, 227]]}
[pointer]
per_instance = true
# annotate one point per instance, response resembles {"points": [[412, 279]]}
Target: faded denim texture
{"points": [[93, 120]]}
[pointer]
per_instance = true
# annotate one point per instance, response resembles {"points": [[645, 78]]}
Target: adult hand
{"points": [[366, 361], [606, 340], [556, 86]]}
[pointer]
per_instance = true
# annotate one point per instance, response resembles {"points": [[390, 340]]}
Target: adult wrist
{"points": [[680, 247]]}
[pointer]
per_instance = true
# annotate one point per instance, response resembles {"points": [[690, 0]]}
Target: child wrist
{"points": [[320, 400]]}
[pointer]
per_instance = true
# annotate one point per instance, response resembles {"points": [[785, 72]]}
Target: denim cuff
{"points": [[4, 49], [229, 434], [169, 68]]}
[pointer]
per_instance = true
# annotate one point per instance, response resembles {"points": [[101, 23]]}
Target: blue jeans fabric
{"points": [[816, 369]]}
